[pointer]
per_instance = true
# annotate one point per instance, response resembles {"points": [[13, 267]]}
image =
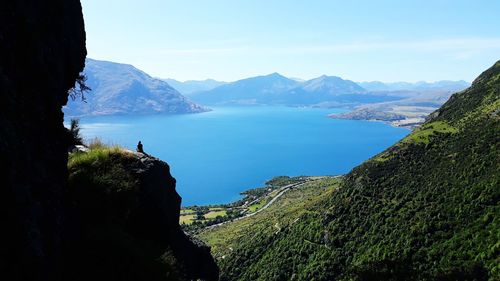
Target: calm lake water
{"points": [[216, 155]]}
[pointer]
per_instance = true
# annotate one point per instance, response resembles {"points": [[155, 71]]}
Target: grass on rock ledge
{"points": [[101, 167]]}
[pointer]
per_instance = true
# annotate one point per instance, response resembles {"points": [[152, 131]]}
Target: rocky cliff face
{"points": [[42, 51], [50, 231], [123, 218], [158, 218]]}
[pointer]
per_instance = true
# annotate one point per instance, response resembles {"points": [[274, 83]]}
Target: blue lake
{"points": [[216, 155]]}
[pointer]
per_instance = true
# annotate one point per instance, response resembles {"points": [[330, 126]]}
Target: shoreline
{"points": [[197, 217], [410, 124]]}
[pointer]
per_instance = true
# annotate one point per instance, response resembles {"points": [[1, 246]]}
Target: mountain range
{"points": [[409, 111], [192, 86], [123, 89], [254, 90], [275, 89], [324, 91], [447, 85]]}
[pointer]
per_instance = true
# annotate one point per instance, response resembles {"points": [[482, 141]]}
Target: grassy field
{"points": [[215, 213], [285, 211], [188, 215], [186, 219], [186, 212], [256, 206]]}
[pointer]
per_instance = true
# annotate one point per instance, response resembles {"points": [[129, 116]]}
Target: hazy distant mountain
{"points": [[444, 85], [193, 86], [277, 89], [123, 89], [331, 85], [256, 90], [331, 90], [417, 101]]}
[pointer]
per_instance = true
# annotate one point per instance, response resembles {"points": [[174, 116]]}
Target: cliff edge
{"points": [[123, 218], [119, 230]]}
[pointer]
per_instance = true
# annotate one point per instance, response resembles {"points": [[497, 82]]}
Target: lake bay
{"points": [[216, 155]]}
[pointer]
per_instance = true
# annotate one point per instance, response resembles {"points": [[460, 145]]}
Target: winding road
{"points": [[282, 191]]}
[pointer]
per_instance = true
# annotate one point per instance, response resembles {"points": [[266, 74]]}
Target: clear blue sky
{"points": [[358, 40]]}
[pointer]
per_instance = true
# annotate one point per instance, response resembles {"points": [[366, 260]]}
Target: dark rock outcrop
{"points": [[123, 218], [42, 51], [160, 215]]}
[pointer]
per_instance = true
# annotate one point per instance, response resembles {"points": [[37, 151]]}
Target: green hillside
{"points": [[279, 216], [425, 209]]}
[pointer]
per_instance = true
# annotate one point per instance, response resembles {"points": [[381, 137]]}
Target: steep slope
{"points": [[123, 89], [278, 216], [192, 86], [256, 90], [123, 221], [425, 209]]}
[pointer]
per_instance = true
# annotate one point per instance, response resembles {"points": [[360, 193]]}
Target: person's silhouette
{"points": [[140, 148]]}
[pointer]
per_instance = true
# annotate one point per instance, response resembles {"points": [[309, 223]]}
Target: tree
{"points": [[80, 88], [74, 136], [200, 215]]}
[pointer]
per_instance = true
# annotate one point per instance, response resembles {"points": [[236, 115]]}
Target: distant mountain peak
{"points": [[192, 86], [118, 88], [275, 88], [263, 89], [331, 85], [328, 78], [274, 75]]}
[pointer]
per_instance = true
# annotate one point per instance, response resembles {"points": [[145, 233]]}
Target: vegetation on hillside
{"points": [[195, 218], [425, 209], [277, 217]]}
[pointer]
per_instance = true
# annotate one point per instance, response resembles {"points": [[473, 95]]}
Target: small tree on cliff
{"points": [[80, 88], [73, 133]]}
